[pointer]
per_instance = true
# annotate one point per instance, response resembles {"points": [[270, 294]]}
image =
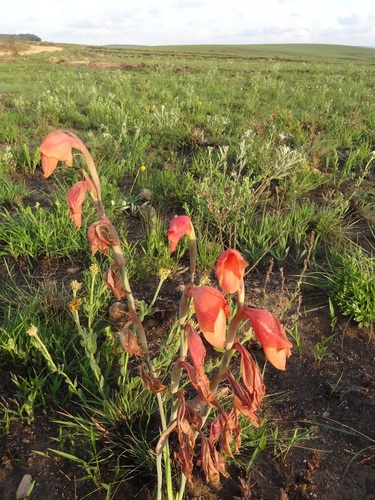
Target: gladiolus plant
{"points": [[208, 318]]}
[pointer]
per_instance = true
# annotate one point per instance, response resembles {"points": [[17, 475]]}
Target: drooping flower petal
{"points": [[100, 236], [151, 383], [196, 348], [213, 463], [76, 197], [223, 427], [114, 282], [178, 227], [244, 401], [230, 269], [130, 342], [56, 147], [271, 335], [251, 376], [211, 309], [189, 422], [201, 383]]}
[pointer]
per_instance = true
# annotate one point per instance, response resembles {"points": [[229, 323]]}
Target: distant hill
{"points": [[28, 37]]}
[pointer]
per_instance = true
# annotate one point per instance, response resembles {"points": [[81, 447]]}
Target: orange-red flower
{"points": [[178, 227], [230, 269], [56, 147], [212, 311], [271, 335]]}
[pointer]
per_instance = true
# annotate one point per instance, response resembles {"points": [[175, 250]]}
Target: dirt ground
{"points": [[27, 49]]}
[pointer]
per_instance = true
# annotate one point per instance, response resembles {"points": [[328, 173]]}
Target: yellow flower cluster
{"points": [[75, 304]]}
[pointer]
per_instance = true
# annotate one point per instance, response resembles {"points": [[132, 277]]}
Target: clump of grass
{"points": [[349, 279]]}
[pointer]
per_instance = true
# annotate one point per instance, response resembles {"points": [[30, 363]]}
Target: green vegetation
{"points": [[269, 149], [28, 37]]}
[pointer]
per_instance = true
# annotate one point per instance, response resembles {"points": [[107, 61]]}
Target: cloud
{"points": [[353, 19]]}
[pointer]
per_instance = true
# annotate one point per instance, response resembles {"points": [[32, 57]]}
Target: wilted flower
{"points": [[213, 463], [100, 236], [130, 342], [211, 309], [151, 383], [75, 304], [188, 422], [251, 376], [230, 270], [244, 401], [271, 335], [114, 282], [196, 372], [76, 197]]}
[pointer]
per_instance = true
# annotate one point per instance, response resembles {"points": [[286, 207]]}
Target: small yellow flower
{"points": [[143, 168], [164, 273], [75, 304], [199, 103], [75, 285], [33, 331], [94, 269]]}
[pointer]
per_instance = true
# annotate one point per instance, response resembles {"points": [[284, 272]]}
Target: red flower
{"points": [[100, 236], [211, 309], [230, 270], [178, 227], [57, 147], [271, 335]]}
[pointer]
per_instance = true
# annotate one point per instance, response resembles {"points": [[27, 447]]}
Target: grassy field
{"points": [[270, 149]]}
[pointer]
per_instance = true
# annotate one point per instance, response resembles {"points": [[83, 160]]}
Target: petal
{"points": [[271, 335], [48, 165], [230, 270], [178, 227], [251, 376], [114, 283], [58, 146], [76, 197], [211, 309], [277, 357], [196, 348]]}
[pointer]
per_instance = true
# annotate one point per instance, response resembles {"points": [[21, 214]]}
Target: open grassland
{"points": [[269, 149]]}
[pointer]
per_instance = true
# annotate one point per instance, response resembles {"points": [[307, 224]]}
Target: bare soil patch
{"points": [[25, 49]]}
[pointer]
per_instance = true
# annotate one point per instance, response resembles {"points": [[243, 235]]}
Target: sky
{"points": [[181, 22]]}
